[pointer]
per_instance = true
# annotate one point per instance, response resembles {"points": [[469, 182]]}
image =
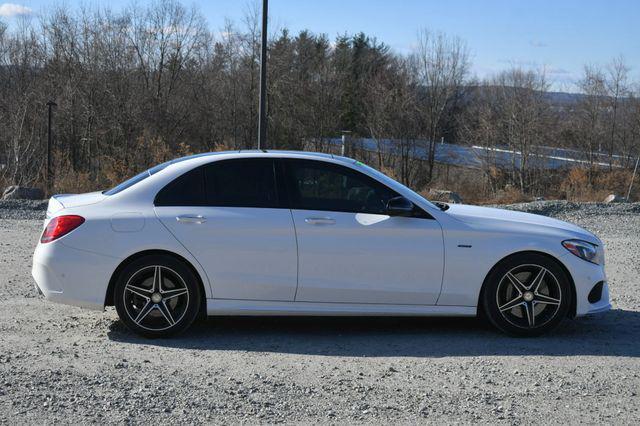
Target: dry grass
{"points": [[476, 187], [580, 185]]}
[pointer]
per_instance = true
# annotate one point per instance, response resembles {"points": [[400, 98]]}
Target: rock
{"points": [[613, 198], [15, 192], [446, 196]]}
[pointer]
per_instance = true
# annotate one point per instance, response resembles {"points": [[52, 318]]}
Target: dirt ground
{"points": [[68, 365]]}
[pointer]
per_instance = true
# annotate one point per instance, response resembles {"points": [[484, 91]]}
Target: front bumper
{"points": [[74, 277], [603, 304], [585, 277]]}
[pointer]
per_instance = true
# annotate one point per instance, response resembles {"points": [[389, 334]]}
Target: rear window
{"points": [[142, 176], [137, 178]]}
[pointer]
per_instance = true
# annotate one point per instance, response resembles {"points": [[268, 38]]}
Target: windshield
{"points": [[390, 182]]}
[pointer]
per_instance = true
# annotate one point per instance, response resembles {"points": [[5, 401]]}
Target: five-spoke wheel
{"points": [[526, 295], [157, 296]]}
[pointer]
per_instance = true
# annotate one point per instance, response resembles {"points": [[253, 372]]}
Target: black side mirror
{"points": [[399, 206]]}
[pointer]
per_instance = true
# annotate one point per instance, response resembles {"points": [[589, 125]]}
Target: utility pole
{"points": [[344, 141], [635, 169], [50, 104], [262, 117]]}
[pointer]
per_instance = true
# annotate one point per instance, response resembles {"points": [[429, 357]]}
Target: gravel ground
{"points": [[68, 365]]}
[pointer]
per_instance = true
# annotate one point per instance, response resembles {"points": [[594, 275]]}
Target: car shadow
{"points": [[615, 333]]}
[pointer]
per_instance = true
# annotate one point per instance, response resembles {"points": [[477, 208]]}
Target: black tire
{"points": [[527, 295], [157, 296]]}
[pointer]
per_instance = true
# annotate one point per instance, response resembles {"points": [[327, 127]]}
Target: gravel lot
{"points": [[68, 365]]}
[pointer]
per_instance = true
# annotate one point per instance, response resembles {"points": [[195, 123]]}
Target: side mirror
{"points": [[399, 206]]}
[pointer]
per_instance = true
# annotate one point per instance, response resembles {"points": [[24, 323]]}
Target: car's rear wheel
{"points": [[527, 295], [157, 296]]}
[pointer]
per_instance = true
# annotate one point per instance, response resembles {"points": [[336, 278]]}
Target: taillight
{"points": [[59, 226]]}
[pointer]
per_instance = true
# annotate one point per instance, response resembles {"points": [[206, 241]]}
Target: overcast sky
{"points": [[559, 35]]}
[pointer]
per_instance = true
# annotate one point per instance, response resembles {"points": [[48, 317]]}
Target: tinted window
{"points": [[137, 178], [242, 183], [142, 176], [317, 185], [186, 190]]}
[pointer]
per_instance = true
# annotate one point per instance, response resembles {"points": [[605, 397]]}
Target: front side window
{"points": [[315, 185]]}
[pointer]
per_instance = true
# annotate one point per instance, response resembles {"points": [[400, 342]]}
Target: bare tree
{"points": [[510, 112], [591, 112], [393, 116], [618, 92], [441, 66]]}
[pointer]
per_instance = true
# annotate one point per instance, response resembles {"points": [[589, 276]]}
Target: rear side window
{"points": [[186, 190], [242, 183]]}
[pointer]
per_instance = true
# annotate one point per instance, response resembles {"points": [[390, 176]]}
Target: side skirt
{"points": [[252, 307]]}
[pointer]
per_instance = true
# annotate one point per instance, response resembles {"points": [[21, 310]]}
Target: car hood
{"points": [[509, 220]]}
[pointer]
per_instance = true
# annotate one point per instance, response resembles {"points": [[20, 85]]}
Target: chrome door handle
{"points": [[190, 218], [320, 221]]}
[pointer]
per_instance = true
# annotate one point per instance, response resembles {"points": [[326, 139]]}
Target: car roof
{"points": [[183, 164], [256, 153]]}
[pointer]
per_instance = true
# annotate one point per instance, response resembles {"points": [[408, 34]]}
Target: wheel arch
{"points": [[116, 273], [572, 307]]}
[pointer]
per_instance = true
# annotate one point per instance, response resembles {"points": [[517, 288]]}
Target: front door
{"points": [[349, 250]]}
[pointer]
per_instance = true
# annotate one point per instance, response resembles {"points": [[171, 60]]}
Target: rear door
{"points": [[229, 215], [349, 250]]}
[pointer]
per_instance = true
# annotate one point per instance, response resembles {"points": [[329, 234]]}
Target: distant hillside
{"points": [[564, 98], [555, 98]]}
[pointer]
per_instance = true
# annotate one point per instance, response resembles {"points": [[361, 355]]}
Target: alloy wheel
{"points": [[156, 298], [529, 296]]}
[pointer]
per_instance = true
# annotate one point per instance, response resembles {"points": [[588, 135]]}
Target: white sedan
{"points": [[293, 233]]}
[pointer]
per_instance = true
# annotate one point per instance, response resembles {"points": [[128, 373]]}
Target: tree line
{"points": [[145, 84]]}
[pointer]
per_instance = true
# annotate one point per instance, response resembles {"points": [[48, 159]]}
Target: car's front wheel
{"points": [[157, 296], [527, 295]]}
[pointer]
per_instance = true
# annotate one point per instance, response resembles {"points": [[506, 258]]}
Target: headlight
{"points": [[585, 250]]}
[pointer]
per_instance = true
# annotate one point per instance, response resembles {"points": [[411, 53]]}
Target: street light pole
{"points": [[50, 104], [262, 118]]}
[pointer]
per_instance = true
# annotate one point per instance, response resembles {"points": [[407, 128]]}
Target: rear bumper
{"points": [[74, 277]]}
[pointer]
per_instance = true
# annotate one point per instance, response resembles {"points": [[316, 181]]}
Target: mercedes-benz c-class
{"points": [[295, 233]]}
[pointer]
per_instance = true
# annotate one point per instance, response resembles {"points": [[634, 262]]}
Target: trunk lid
{"points": [[64, 201]]}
